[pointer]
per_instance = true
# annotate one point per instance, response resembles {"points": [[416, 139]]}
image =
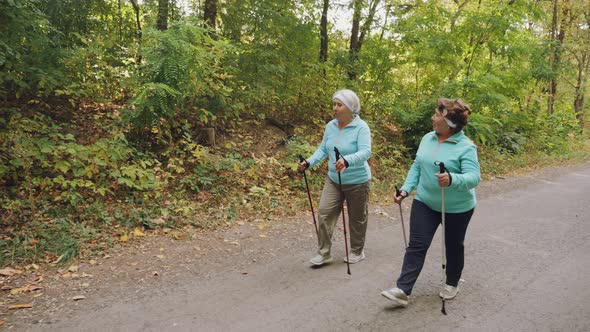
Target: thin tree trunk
{"points": [[137, 19], [210, 13], [365, 30], [387, 11], [354, 39], [162, 21], [120, 18], [581, 82], [552, 60], [324, 32]]}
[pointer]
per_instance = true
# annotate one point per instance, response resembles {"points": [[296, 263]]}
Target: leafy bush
{"points": [[39, 160], [183, 74]]}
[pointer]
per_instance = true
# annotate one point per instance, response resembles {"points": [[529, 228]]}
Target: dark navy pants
{"points": [[423, 224]]}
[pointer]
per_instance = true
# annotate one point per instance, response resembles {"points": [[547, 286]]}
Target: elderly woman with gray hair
{"points": [[351, 135]]}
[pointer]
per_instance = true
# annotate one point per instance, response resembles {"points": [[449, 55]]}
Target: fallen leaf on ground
{"points": [[92, 262], [73, 268], [20, 306], [262, 235], [78, 297], [58, 259], [2, 322], [86, 275], [160, 256], [138, 232], [8, 271], [28, 288], [235, 243], [37, 295], [124, 238]]}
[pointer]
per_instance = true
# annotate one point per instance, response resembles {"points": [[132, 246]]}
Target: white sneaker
{"points": [[449, 292], [397, 295], [320, 260], [354, 258]]}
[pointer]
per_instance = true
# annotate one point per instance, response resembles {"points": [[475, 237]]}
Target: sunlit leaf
{"points": [[20, 306]]}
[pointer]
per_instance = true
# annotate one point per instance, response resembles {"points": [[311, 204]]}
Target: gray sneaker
{"points": [[320, 260], [449, 292], [354, 258], [396, 295]]}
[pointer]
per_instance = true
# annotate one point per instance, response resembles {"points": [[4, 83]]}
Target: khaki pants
{"points": [[357, 200]]}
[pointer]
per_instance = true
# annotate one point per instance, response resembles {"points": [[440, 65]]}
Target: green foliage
{"points": [[65, 167], [38, 158], [183, 74], [58, 240], [29, 64]]}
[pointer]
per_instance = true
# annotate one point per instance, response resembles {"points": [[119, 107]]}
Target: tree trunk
{"points": [[120, 19], [324, 32], [580, 88], [210, 13], [558, 32], [137, 20], [367, 24], [162, 21], [354, 39], [387, 12]]}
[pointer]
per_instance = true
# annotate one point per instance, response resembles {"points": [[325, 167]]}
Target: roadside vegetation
{"points": [[120, 118]]}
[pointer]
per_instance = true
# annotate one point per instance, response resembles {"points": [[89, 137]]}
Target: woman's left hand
{"points": [[340, 166], [443, 179]]}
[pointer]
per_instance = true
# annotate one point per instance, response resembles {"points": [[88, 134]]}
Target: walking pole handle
{"points": [[442, 168], [302, 160], [337, 153]]}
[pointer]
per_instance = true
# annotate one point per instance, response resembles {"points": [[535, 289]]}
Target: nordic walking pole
{"points": [[401, 215], [315, 224], [441, 165], [343, 219]]}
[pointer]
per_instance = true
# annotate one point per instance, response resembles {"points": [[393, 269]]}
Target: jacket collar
{"points": [[455, 138], [355, 122]]}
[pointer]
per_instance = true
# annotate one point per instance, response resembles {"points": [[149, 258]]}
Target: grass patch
{"points": [[57, 241]]}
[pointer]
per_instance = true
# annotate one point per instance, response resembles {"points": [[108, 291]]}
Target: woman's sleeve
{"points": [[414, 173], [412, 178], [320, 153], [364, 148], [470, 176]]}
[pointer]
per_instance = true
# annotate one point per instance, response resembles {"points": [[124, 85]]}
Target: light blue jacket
{"points": [[354, 143], [459, 155]]}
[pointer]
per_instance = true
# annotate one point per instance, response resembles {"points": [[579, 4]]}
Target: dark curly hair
{"points": [[457, 111]]}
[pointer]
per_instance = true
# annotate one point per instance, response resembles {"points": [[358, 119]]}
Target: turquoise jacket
{"points": [[459, 155], [354, 143]]}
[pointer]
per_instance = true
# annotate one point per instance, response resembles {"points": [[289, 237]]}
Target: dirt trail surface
{"points": [[527, 269]]}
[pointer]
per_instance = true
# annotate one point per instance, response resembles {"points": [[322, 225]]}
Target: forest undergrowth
{"points": [[84, 186]]}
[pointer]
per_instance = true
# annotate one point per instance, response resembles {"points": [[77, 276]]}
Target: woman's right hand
{"points": [[398, 198], [302, 166]]}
